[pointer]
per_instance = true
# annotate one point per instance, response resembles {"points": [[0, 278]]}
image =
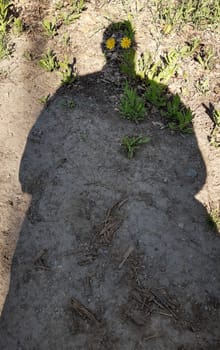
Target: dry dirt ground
{"points": [[99, 251]]}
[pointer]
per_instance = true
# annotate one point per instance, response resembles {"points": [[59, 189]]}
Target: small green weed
{"points": [[168, 15], [162, 70], [202, 86], [132, 143], [173, 14], [190, 48], [49, 61], [180, 116], [215, 134], [132, 106], [143, 65], [59, 5], [168, 67], [205, 57], [5, 16], [73, 12], [68, 17], [50, 27], [28, 55], [156, 75], [66, 40], [83, 136], [44, 100], [69, 104], [68, 72], [216, 117], [78, 6], [18, 26], [127, 66], [156, 94], [214, 217], [205, 13]]}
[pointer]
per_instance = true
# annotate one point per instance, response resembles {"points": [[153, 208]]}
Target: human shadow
{"points": [[75, 170]]}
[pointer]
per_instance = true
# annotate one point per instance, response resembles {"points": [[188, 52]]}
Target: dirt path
{"points": [[108, 252]]}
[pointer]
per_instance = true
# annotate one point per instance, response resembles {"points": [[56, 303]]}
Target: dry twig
{"points": [[83, 311], [126, 255], [111, 223], [152, 337], [40, 260]]}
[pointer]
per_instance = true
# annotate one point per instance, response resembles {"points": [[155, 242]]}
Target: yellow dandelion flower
{"points": [[110, 43], [125, 42]]}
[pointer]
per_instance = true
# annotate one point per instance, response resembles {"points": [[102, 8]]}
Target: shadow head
{"points": [[119, 46]]}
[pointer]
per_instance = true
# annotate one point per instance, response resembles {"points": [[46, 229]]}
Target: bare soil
{"points": [[98, 251]]}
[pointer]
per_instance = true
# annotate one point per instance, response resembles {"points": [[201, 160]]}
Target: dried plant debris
{"points": [[126, 256], [111, 223], [152, 336], [145, 302], [40, 261], [213, 219], [84, 312], [87, 258], [164, 302]]}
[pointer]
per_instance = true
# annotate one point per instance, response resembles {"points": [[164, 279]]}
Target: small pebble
{"points": [[191, 173], [181, 225]]}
